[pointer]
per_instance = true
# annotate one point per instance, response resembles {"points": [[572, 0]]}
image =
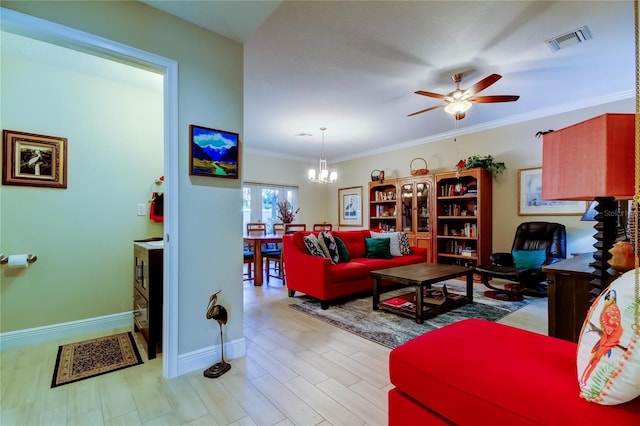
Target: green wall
{"points": [[82, 235], [209, 94]]}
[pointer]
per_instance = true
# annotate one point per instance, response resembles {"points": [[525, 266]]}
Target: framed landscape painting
{"points": [[34, 160], [530, 202], [350, 205], [214, 153]]}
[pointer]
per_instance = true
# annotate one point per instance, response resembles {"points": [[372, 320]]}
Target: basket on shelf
{"points": [[375, 175], [418, 172]]}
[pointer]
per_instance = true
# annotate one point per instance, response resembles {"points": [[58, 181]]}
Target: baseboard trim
{"points": [[202, 359], [50, 333], [199, 359]]}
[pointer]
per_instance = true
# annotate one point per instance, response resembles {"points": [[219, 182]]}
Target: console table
{"points": [[568, 292]]}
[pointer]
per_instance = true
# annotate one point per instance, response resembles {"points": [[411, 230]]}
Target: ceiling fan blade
{"points": [[494, 98], [483, 84], [427, 109], [430, 94]]}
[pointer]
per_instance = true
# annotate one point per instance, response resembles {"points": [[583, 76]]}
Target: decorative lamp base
{"points": [[217, 369]]}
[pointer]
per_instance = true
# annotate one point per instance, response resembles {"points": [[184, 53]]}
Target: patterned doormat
{"points": [[90, 358], [357, 316]]}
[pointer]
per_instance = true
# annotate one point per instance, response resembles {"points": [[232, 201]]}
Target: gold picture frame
{"points": [[30, 159]]}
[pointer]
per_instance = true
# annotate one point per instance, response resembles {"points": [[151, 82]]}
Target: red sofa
{"points": [[317, 277], [477, 372]]}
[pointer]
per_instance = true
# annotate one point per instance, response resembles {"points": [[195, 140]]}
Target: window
{"points": [[260, 202]]}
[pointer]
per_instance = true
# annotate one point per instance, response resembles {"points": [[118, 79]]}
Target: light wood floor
{"points": [[298, 371]]}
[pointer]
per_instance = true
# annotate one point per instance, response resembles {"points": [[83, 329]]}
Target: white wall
{"points": [[314, 207], [82, 235], [516, 145]]}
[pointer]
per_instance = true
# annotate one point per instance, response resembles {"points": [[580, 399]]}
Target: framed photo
{"points": [[350, 206], [530, 202], [214, 153], [34, 160]]}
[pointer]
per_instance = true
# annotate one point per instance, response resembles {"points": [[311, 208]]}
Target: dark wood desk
{"points": [[569, 296], [257, 241]]}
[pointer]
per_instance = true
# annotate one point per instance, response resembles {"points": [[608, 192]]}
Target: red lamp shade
{"points": [[594, 158]]}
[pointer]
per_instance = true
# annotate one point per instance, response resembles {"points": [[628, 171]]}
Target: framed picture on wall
{"points": [[214, 153], [530, 202], [350, 206], [34, 160]]}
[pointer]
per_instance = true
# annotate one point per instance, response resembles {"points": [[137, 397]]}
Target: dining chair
{"points": [[322, 227], [274, 254], [248, 254], [290, 228], [256, 228]]}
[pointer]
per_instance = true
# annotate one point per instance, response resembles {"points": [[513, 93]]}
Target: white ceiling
{"points": [[353, 66]]}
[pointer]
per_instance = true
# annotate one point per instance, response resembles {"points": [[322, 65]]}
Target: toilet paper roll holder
{"points": [[5, 259]]}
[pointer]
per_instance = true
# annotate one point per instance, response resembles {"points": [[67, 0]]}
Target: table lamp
{"points": [[593, 160]]}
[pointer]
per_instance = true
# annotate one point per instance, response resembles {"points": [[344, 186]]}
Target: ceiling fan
{"points": [[459, 101]]}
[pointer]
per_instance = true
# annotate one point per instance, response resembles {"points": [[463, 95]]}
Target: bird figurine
{"points": [[218, 313], [610, 324]]}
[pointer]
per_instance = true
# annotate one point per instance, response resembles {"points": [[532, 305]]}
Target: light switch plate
{"points": [[142, 209]]}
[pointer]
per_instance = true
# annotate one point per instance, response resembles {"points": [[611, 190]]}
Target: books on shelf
{"points": [[399, 302], [468, 253]]}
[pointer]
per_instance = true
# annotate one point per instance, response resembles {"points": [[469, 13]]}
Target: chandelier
{"points": [[322, 175]]}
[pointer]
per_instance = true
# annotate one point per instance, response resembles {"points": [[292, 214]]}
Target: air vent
{"points": [[569, 39]]}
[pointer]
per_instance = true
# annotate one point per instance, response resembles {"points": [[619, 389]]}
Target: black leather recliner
{"points": [[548, 236]]}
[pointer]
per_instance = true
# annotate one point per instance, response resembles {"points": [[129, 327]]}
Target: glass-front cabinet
{"points": [[416, 201]]}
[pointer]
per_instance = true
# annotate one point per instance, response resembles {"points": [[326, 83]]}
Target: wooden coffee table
{"points": [[421, 276]]}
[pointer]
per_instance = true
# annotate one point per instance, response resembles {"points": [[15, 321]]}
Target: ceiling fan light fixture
{"points": [[457, 107]]}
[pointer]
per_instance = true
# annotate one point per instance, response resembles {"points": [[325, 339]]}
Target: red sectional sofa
{"points": [[477, 372], [318, 277]]}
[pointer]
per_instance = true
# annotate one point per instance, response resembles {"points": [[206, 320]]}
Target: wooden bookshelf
{"points": [[463, 221]]}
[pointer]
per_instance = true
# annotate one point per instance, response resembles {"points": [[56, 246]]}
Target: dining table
{"points": [[257, 241]]}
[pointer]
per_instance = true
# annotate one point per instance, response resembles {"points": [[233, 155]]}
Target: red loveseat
{"points": [[318, 277], [477, 372]]}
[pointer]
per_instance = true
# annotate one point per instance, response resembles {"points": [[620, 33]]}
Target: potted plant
{"points": [[285, 212], [487, 162]]}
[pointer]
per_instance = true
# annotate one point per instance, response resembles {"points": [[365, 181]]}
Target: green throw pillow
{"points": [[343, 252], [529, 259], [377, 248]]}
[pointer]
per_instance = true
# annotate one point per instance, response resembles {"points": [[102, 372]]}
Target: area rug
{"points": [[90, 358], [356, 315]]}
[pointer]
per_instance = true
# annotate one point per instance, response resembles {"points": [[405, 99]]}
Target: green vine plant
{"points": [[487, 162]]}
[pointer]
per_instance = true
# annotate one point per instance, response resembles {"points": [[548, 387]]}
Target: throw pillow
{"points": [[405, 248], [331, 245], [394, 241], [313, 246], [377, 248], [342, 250], [529, 259], [608, 352]]}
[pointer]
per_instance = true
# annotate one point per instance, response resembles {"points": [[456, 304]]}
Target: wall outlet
{"points": [[142, 209]]}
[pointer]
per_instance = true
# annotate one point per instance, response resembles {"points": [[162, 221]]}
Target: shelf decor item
{"points": [[487, 162], [213, 153], [419, 171], [34, 160]]}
